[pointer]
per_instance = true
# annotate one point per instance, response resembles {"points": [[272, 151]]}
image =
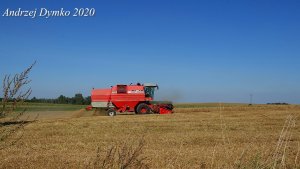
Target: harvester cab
{"points": [[138, 98], [149, 90]]}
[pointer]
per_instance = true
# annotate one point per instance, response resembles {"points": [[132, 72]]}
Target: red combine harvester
{"points": [[136, 98]]}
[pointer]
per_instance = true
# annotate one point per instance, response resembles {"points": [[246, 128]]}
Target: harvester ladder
{"points": [[109, 99]]}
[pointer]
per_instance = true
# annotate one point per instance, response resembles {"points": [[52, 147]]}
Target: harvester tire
{"points": [[111, 112], [143, 108]]}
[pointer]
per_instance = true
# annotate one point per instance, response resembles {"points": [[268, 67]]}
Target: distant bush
{"points": [[278, 103]]}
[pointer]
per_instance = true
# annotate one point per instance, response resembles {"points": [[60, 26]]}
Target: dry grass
{"points": [[263, 136], [122, 155]]}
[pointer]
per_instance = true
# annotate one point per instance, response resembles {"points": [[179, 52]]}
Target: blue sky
{"points": [[197, 51]]}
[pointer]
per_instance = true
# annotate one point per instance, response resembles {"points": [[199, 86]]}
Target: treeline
{"points": [[279, 103], [77, 99]]}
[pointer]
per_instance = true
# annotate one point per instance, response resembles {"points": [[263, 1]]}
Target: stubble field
{"points": [[195, 136]]}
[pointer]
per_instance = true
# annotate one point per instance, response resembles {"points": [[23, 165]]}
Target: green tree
{"points": [[34, 99], [62, 99], [87, 100], [78, 99]]}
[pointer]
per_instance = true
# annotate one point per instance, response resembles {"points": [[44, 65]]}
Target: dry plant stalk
{"points": [[279, 155], [278, 158], [13, 97], [123, 156]]}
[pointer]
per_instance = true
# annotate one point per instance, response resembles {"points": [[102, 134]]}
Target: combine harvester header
{"points": [[138, 98]]}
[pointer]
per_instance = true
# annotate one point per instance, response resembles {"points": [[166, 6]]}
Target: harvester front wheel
{"points": [[111, 112], [143, 109]]}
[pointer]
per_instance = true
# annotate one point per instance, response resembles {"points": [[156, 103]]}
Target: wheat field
{"points": [[195, 136]]}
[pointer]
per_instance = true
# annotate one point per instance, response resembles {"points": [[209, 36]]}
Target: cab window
{"points": [[121, 89]]}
